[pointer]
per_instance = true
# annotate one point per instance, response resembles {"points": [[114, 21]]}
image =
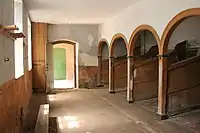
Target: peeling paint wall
{"points": [[85, 35], [87, 38]]}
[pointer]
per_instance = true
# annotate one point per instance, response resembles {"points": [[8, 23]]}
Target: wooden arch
{"points": [[115, 37], [173, 24], [100, 46], [134, 37]]}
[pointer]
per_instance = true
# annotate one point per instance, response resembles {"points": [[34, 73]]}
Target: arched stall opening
{"points": [[119, 65], [181, 44], [103, 63], [144, 49]]}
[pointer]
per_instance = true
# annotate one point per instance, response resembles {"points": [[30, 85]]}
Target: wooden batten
{"points": [[17, 35], [9, 27], [39, 40]]}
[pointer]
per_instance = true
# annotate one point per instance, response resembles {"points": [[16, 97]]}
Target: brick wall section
{"points": [[14, 99], [88, 76]]}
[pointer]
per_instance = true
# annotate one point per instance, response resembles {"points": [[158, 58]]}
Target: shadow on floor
{"points": [[31, 117], [190, 120]]}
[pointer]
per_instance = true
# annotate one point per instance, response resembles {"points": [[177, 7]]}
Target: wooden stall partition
{"points": [[105, 72], [183, 85], [146, 79], [39, 40], [120, 74]]}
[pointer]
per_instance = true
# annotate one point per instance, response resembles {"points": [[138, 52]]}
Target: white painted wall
{"points": [[189, 30], [6, 45], [156, 13], [85, 35], [7, 69]]}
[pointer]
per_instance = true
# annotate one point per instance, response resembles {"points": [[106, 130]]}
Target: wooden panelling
{"points": [[105, 72], [146, 79], [184, 84], [39, 40], [120, 74], [14, 99]]}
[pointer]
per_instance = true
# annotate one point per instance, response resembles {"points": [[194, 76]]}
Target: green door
{"points": [[59, 63]]}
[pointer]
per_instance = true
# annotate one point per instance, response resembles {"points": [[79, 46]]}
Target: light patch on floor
{"points": [[63, 84], [84, 112]]}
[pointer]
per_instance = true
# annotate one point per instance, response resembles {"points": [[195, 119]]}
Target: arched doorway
{"points": [[178, 72], [144, 71], [62, 64], [103, 63], [118, 64]]}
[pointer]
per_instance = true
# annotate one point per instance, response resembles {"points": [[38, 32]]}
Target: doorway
{"points": [[63, 56], [62, 65]]}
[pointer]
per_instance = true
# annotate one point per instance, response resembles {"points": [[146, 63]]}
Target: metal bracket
{"points": [[163, 56]]}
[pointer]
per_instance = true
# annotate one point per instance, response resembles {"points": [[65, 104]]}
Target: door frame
{"points": [[69, 42]]}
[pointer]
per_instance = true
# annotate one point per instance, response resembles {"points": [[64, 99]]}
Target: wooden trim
{"points": [[100, 46], [114, 38], [171, 26], [134, 37], [63, 41], [148, 61], [184, 63]]}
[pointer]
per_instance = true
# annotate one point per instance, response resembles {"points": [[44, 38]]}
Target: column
{"points": [[111, 75], [99, 76], [130, 79], [162, 87]]}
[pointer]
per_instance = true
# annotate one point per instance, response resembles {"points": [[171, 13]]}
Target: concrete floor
{"points": [[149, 104], [83, 111], [97, 111], [190, 120]]}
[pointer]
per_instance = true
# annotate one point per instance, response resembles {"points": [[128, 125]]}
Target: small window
{"points": [[29, 45], [19, 53]]}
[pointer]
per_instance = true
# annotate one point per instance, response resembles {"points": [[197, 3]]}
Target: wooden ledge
{"points": [[6, 30], [17, 35]]}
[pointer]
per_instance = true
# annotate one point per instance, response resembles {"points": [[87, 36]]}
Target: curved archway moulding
{"points": [[134, 37], [63, 41], [114, 38], [100, 46], [173, 24]]}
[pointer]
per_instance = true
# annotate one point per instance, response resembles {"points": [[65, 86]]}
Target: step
{"points": [[42, 123]]}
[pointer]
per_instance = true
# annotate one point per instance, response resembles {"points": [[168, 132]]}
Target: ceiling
{"points": [[75, 11]]}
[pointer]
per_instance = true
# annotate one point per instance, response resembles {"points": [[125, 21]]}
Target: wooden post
{"points": [[111, 75], [162, 87], [99, 76], [39, 40], [130, 79]]}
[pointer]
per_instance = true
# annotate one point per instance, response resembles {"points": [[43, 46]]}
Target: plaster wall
{"points": [[85, 35], [155, 13]]}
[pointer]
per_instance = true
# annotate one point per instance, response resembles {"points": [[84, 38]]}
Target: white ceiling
{"points": [[75, 11]]}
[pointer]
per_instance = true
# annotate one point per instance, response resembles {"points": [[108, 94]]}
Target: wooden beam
{"points": [[9, 27]]}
